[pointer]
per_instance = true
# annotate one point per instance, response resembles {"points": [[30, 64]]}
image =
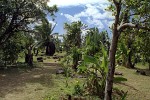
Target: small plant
{"points": [[78, 89], [119, 94]]}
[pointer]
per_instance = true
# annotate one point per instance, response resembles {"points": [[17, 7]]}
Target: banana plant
{"points": [[95, 68]]}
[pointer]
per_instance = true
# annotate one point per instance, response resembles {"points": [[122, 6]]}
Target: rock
{"points": [[141, 72], [118, 73], [40, 59], [81, 76], [55, 57], [60, 71]]}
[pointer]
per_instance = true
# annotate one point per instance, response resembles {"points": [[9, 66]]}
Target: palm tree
{"points": [[45, 37]]}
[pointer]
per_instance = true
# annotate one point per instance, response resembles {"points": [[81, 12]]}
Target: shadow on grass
{"points": [[14, 77], [121, 83]]}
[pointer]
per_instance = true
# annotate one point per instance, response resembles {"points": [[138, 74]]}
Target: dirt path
{"points": [[27, 84]]}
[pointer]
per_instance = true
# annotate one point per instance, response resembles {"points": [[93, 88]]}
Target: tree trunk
{"points": [[129, 58], [29, 57], [111, 69], [129, 62]]}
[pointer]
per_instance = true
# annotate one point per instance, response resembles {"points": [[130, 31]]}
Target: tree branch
{"points": [[117, 2], [131, 25]]}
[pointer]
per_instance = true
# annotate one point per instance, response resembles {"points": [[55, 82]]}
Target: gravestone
{"points": [[50, 48]]}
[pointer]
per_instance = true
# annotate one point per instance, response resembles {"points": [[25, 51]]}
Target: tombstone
{"points": [[50, 48]]}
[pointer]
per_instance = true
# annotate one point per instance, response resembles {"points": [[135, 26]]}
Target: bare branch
{"points": [[131, 25]]}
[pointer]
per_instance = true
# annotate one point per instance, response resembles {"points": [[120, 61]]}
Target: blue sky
{"points": [[90, 12]]}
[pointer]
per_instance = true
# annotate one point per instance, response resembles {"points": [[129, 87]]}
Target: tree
{"points": [[144, 46], [20, 15], [94, 39], [138, 13], [45, 36], [29, 45], [57, 42], [73, 40], [126, 46], [73, 35], [9, 52]]}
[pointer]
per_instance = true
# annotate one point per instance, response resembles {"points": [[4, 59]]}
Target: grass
{"points": [[60, 89], [137, 85], [43, 84]]}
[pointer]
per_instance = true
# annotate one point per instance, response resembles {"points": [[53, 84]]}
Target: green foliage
{"points": [[95, 68], [12, 48], [93, 41], [78, 89], [18, 15], [143, 48], [119, 94], [72, 41], [73, 36], [67, 64]]}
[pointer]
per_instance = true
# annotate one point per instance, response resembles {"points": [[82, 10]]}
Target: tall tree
{"points": [[20, 15], [126, 46], [144, 46], [73, 39], [138, 13], [74, 31]]}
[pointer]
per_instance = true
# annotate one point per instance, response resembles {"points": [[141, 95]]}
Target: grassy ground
{"points": [[41, 83], [137, 85]]}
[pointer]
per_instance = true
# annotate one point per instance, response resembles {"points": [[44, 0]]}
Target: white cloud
{"points": [[72, 18], [67, 3], [95, 22], [94, 14]]}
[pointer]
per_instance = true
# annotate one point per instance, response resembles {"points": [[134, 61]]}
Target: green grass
{"points": [[142, 65], [62, 87], [137, 85]]}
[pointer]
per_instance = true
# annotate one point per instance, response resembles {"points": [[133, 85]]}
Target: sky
{"points": [[90, 12]]}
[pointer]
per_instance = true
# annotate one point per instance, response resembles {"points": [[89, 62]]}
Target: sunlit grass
{"points": [[137, 85]]}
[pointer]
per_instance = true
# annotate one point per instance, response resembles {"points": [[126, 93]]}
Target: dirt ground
{"points": [[26, 84]]}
